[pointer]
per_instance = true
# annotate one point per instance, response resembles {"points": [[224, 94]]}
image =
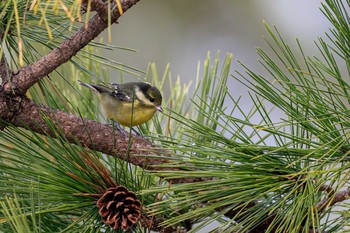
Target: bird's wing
{"points": [[102, 88], [121, 93]]}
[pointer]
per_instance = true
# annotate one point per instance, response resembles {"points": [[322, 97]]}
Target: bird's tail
{"points": [[100, 88], [92, 87]]}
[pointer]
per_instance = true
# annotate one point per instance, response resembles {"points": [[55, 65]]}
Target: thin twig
{"points": [[328, 189], [332, 200]]}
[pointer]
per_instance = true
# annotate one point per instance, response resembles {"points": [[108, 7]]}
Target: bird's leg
{"points": [[119, 128], [135, 132], [122, 131]]}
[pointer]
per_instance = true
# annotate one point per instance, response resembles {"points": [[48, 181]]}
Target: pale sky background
{"points": [[181, 32]]}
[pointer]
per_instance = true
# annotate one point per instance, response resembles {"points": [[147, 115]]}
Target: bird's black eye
{"points": [[151, 99]]}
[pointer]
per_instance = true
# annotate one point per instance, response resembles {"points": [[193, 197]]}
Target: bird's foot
{"points": [[123, 131], [119, 128]]}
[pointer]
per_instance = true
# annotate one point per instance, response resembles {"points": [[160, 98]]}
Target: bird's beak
{"points": [[159, 108]]}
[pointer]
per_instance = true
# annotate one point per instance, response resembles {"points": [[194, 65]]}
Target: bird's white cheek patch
{"points": [[142, 97]]}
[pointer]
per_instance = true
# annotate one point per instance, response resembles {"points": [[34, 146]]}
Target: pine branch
{"points": [[333, 199], [27, 76], [88, 133]]}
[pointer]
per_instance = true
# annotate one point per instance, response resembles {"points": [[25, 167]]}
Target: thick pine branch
{"points": [[88, 133]]}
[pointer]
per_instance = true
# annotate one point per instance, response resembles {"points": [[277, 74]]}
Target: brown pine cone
{"points": [[119, 207]]}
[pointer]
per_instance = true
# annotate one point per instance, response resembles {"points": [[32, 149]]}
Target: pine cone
{"points": [[119, 207]]}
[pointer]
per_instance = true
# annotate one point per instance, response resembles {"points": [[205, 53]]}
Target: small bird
{"points": [[129, 104]]}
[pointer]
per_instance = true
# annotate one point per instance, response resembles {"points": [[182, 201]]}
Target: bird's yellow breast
{"points": [[122, 111]]}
